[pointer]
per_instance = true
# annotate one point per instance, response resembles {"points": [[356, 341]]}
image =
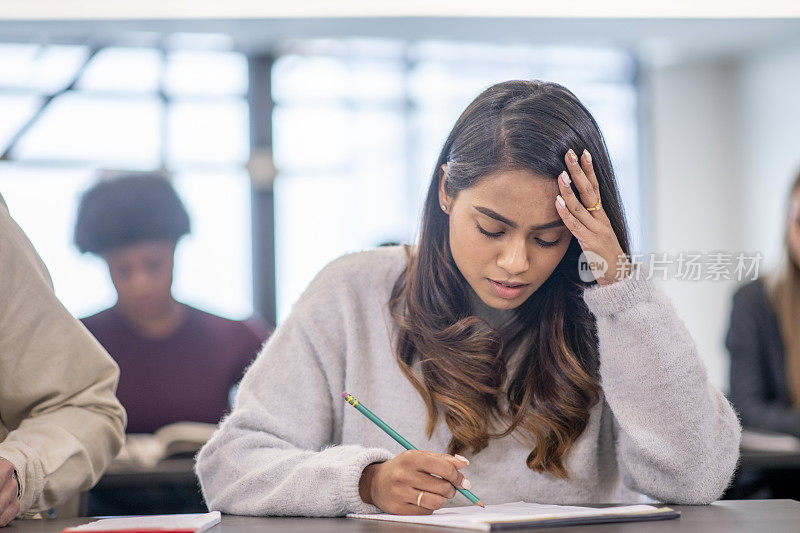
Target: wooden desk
{"points": [[732, 516]]}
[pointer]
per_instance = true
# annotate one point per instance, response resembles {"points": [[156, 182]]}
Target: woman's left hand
{"points": [[592, 228]]}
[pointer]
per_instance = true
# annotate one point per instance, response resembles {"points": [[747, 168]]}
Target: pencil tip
{"points": [[480, 503]]}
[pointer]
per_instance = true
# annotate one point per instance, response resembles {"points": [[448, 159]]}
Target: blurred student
{"points": [[764, 345], [60, 424], [763, 339], [177, 363]]}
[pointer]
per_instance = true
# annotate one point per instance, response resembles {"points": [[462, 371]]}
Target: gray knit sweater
{"points": [[292, 446]]}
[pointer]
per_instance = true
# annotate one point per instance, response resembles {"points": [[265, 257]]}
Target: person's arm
{"points": [[677, 435], [278, 452], [748, 375], [60, 422]]}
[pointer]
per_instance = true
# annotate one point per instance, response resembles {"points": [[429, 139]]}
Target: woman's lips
{"points": [[507, 291]]}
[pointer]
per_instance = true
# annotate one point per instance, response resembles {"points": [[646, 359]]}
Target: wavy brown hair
{"points": [[783, 290], [462, 373]]}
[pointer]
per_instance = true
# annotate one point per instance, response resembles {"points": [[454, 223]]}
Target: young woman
{"points": [[764, 346], [482, 341], [763, 340]]}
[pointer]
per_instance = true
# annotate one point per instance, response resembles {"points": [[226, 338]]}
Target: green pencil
{"points": [[399, 438]]}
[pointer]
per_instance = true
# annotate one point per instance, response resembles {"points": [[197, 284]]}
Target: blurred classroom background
{"points": [[296, 134]]}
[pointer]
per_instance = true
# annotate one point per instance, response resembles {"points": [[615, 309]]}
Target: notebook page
{"points": [[476, 518]]}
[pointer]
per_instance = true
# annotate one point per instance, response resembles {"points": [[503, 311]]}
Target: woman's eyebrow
{"points": [[497, 216]]}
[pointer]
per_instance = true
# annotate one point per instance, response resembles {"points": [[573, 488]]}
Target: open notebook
{"points": [[523, 514]]}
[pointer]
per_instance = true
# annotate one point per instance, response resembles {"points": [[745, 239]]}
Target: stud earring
{"points": [[444, 208]]}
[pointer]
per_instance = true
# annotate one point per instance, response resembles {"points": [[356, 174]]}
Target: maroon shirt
{"points": [[187, 376]]}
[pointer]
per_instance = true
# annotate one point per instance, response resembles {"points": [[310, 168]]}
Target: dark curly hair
{"points": [[129, 209]]}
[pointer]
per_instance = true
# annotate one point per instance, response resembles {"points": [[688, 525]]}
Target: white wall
{"points": [[724, 142], [769, 97], [693, 197]]}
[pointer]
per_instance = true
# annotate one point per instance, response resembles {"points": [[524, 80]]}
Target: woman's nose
{"points": [[514, 258]]}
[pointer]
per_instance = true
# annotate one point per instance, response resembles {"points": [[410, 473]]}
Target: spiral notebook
{"points": [[526, 515]]}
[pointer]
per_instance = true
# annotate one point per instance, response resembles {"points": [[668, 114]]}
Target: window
{"points": [[130, 108], [358, 126]]}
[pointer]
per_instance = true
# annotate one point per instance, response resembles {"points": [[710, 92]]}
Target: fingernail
{"points": [[588, 156], [561, 201], [465, 484], [572, 156], [461, 458], [565, 177]]}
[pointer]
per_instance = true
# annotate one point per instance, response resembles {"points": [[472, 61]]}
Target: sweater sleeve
{"points": [[276, 454], [677, 435], [57, 384], [748, 373]]}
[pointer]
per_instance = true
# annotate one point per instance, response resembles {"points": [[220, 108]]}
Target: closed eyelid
{"points": [[487, 222], [551, 235], [546, 235], [493, 215], [492, 225]]}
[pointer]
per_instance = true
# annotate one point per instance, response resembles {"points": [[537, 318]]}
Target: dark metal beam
{"points": [[262, 174], [46, 100]]}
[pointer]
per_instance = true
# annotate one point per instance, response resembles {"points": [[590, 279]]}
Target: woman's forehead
{"points": [[522, 196]]}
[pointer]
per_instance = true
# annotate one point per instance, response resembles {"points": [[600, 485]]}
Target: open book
{"points": [[523, 514], [179, 439]]}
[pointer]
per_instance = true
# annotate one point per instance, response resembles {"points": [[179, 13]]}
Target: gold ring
{"points": [[419, 499], [597, 206]]}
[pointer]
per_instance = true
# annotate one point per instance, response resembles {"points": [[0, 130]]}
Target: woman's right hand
{"points": [[395, 486]]}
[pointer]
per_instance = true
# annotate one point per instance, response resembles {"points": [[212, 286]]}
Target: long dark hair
{"points": [[462, 375]]}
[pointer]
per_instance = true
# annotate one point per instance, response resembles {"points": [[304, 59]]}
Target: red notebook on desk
{"points": [[168, 523]]}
